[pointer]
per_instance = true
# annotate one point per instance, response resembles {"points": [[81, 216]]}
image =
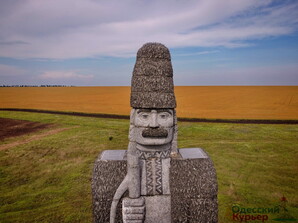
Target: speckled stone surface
{"points": [[154, 51], [194, 191], [153, 67], [152, 84], [193, 188], [107, 176], [152, 100], [152, 81]]}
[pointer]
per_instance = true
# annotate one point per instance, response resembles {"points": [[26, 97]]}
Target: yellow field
{"points": [[227, 102]]}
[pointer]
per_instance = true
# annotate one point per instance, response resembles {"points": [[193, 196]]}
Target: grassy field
{"points": [[48, 179], [225, 102]]}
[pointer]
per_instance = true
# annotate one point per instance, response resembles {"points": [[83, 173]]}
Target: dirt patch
{"points": [[32, 138], [12, 127]]}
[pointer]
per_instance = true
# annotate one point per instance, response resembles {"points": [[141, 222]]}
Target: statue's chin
{"points": [[153, 148], [146, 141], [153, 141]]}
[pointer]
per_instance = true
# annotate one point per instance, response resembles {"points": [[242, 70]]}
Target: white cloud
{"points": [[63, 75], [69, 29], [198, 53]]}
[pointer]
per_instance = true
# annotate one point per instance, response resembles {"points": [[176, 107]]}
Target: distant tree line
{"points": [[43, 85]]}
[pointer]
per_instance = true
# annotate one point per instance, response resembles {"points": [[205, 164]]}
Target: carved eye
{"points": [[144, 116], [163, 115]]}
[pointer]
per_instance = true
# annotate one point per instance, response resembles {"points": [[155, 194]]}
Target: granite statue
{"points": [[157, 181]]}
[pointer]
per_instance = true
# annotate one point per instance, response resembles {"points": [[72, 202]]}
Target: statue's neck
{"points": [[152, 148]]}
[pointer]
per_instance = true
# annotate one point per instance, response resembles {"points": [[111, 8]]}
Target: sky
{"points": [[94, 42]]}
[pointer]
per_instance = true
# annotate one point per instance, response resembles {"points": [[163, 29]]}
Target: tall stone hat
{"points": [[152, 80]]}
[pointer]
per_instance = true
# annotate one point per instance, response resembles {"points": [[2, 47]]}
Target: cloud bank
{"points": [[64, 75], [61, 29]]}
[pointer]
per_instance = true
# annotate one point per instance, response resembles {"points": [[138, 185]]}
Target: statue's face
{"points": [[153, 126]]}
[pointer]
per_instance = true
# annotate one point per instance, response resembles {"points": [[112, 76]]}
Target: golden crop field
{"points": [[225, 102]]}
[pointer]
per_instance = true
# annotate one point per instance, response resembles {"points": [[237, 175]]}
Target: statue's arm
{"points": [[134, 206], [119, 193]]}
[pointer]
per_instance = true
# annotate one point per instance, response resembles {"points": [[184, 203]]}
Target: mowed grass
{"points": [[49, 179], [211, 102]]}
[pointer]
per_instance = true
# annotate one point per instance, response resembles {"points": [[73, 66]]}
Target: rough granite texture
{"points": [[153, 67], [152, 83], [154, 51], [152, 100], [194, 191], [193, 188], [107, 176]]}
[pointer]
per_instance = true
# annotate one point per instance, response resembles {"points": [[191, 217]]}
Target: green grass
{"points": [[49, 180]]}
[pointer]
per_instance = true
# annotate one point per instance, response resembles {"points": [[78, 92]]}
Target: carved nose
{"points": [[153, 122]]}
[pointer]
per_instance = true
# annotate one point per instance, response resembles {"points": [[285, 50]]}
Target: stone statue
{"points": [[152, 125], [154, 187]]}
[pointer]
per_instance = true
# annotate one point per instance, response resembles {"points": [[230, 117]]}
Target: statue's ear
{"points": [[132, 115], [174, 146], [131, 135], [175, 117]]}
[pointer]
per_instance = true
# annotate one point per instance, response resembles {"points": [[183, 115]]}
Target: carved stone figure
{"points": [[158, 183]]}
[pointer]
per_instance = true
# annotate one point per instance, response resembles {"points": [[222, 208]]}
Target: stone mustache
{"points": [[160, 182]]}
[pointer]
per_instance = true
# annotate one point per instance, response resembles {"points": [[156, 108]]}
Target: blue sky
{"points": [[94, 42]]}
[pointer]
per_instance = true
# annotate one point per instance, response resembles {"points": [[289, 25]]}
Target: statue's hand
{"points": [[133, 210]]}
